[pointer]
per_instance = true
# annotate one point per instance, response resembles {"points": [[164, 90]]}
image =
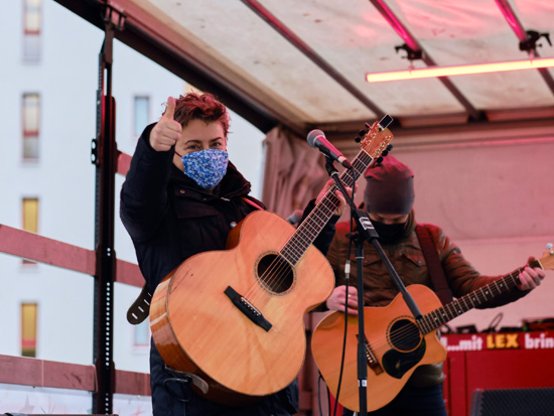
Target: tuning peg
{"points": [[389, 147], [379, 160], [357, 139], [384, 153], [362, 132]]}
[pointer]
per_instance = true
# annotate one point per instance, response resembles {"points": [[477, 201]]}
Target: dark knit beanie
{"points": [[390, 187]]}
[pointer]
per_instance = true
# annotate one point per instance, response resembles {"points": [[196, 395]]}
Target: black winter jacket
{"points": [[170, 218]]}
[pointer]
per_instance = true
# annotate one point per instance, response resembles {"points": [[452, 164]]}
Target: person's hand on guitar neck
{"points": [[530, 277], [338, 194]]}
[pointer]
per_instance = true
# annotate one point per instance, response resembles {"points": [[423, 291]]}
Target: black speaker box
{"points": [[513, 402]]}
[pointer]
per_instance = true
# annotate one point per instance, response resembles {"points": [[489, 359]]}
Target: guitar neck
{"points": [[310, 228], [478, 297]]}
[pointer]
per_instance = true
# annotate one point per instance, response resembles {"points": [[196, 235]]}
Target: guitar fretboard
{"points": [[435, 319], [310, 228]]}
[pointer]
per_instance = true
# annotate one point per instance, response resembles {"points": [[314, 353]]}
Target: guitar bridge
{"points": [[370, 357], [246, 307]]}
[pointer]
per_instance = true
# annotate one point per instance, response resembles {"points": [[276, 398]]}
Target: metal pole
{"points": [[104, 151]]}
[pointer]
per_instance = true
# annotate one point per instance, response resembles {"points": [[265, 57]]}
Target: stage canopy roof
{"points": [[302, 63]]}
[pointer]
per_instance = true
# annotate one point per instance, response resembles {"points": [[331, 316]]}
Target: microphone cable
{"points": [[345, 311]]}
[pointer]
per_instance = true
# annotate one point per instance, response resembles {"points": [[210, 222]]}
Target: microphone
{"points": [[316, 138]]}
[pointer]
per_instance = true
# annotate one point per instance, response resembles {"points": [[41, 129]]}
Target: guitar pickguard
{"points": [[396, 363], [408, 347]]}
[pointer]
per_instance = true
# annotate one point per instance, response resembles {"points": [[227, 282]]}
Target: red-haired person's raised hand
{"points": [[166, 131]]}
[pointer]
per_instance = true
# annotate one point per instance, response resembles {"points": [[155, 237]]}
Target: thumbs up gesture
{"points": [[166, 131]]}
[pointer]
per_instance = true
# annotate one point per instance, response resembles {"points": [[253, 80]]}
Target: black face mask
{"points": [[390, 233]]}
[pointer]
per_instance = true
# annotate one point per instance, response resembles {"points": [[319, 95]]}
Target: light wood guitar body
{"points": [[395, 342], [196, 326], [410, 349], [234, 319]]}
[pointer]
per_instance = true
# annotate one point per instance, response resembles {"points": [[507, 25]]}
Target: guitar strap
{"points": [[140, 308], [253, 202], [440, 285]]}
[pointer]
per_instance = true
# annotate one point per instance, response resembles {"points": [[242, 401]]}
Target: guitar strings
{"points": [[399, 335], [431, 321], [278, 269], [293, 249], [275, 274]]}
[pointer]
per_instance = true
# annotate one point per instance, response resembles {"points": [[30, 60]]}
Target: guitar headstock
{"points": [[376, 140], [547, 260]]}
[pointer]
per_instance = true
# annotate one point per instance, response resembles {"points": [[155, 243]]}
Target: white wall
{"points": [[493, 199]]}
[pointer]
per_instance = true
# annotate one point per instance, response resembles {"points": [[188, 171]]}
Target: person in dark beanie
{"points": [[388, 199]]}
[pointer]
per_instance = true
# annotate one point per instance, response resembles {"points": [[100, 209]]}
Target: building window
{"points": [[32, 23], [29, 312], [30, 218], [30, 214], [142, 334], [141, 114], [31, 125]]}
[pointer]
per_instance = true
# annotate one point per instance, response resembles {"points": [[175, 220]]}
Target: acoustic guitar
{"points": [[233, 320], [395, 342]]}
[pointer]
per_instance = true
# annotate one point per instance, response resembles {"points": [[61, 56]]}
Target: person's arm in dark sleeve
{"points": [[144, 192], [463, 278]]}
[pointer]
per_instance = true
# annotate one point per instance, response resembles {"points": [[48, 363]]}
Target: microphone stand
{"points": [[366, 232]]}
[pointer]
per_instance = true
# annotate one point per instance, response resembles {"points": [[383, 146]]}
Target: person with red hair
{"points": [[181, 197]]}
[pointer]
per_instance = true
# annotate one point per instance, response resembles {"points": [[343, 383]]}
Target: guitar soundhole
{"points": [[275, 273], [404, 335]]}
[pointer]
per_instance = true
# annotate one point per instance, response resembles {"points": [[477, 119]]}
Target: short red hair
{"points": [[206, 107]]}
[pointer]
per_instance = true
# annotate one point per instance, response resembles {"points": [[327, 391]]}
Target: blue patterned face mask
{"points": [[206, 167]]}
